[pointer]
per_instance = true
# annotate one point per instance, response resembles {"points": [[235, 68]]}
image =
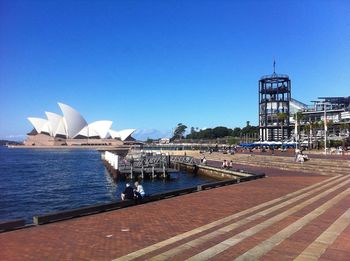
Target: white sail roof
{"points": [[72, 124], [74, 121], [56, 124], [61, 129], [40, 125], [123, 134], [114, 134], [97, 128], [101, 128], [85, 132]]}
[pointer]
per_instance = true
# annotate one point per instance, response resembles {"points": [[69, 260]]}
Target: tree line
{"points": [[213, 133]]}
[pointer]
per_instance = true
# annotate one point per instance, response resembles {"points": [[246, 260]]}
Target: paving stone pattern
{"points": [[289, 215]]}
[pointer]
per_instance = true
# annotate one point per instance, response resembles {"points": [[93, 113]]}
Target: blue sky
{"points": [[152, 64]]}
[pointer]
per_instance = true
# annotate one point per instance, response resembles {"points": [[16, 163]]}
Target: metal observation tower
{"points": [[274, 99]]}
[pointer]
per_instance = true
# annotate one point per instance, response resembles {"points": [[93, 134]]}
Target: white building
{"points": [[72, 129]]}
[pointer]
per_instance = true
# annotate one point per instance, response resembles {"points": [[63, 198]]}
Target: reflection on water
{"points": [[111, 185], [34, 181]]}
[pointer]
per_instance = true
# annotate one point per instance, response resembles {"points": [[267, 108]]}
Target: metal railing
{"points": [[182, 159]]}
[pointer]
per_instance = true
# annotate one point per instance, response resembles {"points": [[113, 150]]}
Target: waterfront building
{"points": [[278, 120], [337, 110], [72, 129], [328, 116], [274, 107]]}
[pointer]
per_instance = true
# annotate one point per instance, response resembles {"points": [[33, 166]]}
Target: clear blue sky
{"points": [[152, 64]]}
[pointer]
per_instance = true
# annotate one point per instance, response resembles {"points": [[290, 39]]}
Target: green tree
{"points": [[233, 140], [250, 133], [314, 126], [298, 117], [282, 116], [237, 132], [330, 124], [192, 130], [179, 131], [343, 127], [149, 140], [307, 131], [220, 132]]}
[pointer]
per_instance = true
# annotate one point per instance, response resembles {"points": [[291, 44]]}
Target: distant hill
{"points": [[9, 142]]}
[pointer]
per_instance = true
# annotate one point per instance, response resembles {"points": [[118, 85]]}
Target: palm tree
{"points": [[298, 116], [307, 131], [282, 116], [313, 126], [329, 124], [343, 127]]}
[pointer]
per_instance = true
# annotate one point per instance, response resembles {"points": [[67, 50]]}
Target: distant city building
{"points": [[72, 129], [164, 141]]}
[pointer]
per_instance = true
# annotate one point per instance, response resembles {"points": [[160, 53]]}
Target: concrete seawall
{"points": [[92, 147], [217, 173]]}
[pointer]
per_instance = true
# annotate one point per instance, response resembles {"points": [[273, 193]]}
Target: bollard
{"points": [[153, 175], [131, 172], [142, 174]]}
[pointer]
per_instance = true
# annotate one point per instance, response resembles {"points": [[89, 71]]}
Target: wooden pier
{"points": [[150, 167], [140, 173], [161, 166]]}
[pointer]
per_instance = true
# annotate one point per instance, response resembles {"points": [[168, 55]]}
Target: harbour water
{"points": [[34, 181]]}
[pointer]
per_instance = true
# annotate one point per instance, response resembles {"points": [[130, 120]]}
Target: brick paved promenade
{"points": [[288, 215]]}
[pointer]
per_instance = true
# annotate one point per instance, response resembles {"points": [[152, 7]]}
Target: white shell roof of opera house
{"points": [[72, 124]]}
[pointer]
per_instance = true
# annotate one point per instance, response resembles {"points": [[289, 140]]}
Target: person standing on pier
{"points": [[204, 161], [224, 164], [139, 192]]}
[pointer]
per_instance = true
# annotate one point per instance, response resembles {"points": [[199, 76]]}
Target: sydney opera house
{"points": [[71, 129]]}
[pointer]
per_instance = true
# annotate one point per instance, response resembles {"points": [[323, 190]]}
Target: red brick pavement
{"points": [[340, 249], [112, 234]]}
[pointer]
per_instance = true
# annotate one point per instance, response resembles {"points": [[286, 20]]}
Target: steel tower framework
{"points": [[274, 99]]}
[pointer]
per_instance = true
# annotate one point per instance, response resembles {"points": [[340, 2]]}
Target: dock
{"points": [[140, 173], [145, 167]]}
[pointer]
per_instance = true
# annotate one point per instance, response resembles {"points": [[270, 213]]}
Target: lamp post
{"points": [[325, 127], [296, 131]]}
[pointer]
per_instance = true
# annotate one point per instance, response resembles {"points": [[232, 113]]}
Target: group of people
{"points": [[300, 157], [226, 164], [136, 193]]}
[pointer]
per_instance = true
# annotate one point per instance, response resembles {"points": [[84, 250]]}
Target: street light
{"points": [[324, 103], [296, 131], [325, 125], [325, 128]]}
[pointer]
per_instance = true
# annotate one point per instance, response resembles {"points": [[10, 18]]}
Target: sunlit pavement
{"points": [[288, 215]]}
